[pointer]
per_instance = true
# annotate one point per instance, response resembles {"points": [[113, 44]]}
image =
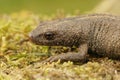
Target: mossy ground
{"points": [[20, 60]]}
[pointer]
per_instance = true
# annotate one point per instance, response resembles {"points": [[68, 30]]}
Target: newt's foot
{"points": [[50, 60], [74, 57]]}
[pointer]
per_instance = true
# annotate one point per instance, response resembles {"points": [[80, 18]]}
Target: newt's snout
{"points": [[31, 37], [34, 39]]}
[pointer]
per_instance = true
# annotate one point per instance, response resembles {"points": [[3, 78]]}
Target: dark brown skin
{"points": [[95, 33]]}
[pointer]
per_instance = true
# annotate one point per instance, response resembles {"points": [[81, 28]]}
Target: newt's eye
{"points": [[49, 35]]}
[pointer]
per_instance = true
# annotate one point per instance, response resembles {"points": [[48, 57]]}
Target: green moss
{"points": [[20, 59]]}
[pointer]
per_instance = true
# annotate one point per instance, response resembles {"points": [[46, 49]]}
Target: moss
{"points": [[20, 59]]}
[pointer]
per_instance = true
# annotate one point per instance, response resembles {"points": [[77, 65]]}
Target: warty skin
{"points": [[95, 33]]}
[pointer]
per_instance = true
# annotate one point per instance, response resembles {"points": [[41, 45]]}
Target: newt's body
{"points": [[97, 33]]}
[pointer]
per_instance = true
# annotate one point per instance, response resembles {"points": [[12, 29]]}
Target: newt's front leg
{"points": [[81, 56]]}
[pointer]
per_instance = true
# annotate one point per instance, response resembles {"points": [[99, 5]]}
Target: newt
{"points": [[92, 34]]}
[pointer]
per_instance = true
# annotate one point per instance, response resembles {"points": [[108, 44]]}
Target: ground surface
{"points": [[20, 59]]}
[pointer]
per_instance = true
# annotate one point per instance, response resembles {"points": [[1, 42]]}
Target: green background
{"points": [[47, 6]]}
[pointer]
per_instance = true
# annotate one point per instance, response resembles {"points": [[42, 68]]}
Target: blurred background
{"points": [[67, 6], [47, 6]]}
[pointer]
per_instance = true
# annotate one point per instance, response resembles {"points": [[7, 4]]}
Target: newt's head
{"points": [[55, 33]]}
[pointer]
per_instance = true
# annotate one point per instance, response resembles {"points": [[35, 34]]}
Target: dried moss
{"points": [[21, 61]]}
